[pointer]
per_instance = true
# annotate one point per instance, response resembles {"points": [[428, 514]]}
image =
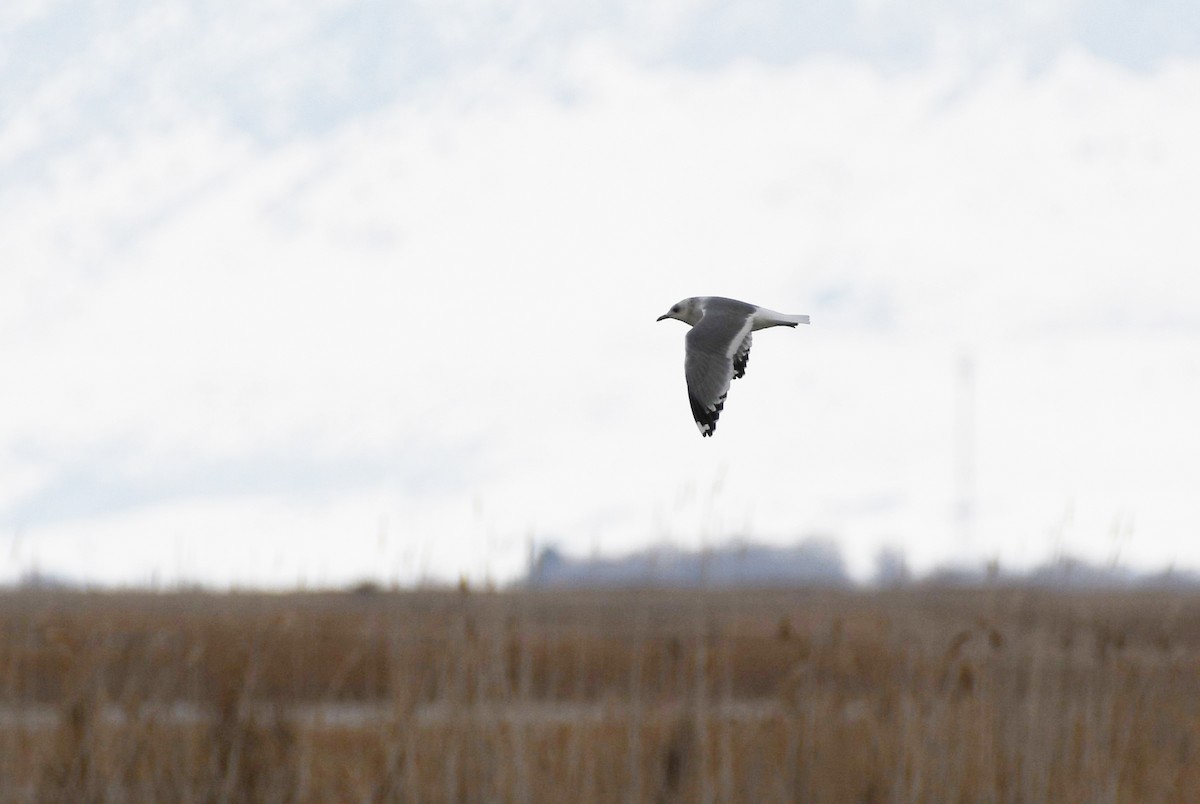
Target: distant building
{"points": [[815, 562]]}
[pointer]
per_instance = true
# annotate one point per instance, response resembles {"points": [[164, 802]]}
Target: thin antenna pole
{"points": [[964, 449]]}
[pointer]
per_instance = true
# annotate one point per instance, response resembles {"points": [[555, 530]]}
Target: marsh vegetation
{"points": [[632, 695]]}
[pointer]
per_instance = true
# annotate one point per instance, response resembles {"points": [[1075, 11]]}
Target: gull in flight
{"points": [[718, 348]]}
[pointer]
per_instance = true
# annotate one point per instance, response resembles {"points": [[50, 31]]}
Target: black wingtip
{"points": [[706, 418]]}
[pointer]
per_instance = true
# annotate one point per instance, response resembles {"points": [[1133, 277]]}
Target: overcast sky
{"points": [[309, 292]]}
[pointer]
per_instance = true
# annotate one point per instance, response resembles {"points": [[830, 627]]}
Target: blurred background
{"points": [[312, 293]]}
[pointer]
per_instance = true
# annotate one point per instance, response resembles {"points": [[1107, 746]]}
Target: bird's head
{"points": [[687, 311]]}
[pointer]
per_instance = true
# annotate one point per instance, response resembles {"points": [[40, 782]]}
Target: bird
{"points": [[718, 348]]}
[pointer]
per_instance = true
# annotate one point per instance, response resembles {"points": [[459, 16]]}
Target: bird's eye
{"points": [[675, 309]]}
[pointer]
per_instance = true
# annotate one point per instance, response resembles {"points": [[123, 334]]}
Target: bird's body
{"points": [[718, 348]]}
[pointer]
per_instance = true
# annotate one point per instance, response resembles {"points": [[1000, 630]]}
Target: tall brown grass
{"points": [[920, 695]]}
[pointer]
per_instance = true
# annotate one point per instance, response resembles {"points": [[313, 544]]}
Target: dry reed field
{"points": [[915, 695]]}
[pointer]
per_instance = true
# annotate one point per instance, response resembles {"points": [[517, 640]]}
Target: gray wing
{"points": [[717, 342], [742, 358]]}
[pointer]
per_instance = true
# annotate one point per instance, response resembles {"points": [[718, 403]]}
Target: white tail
{"points": [[764, 318]]}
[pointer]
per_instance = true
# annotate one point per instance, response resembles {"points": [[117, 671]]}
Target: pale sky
{"points": [[313, 292]]}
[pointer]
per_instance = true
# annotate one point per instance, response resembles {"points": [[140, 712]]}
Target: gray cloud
{"points": [[97, 484]]}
